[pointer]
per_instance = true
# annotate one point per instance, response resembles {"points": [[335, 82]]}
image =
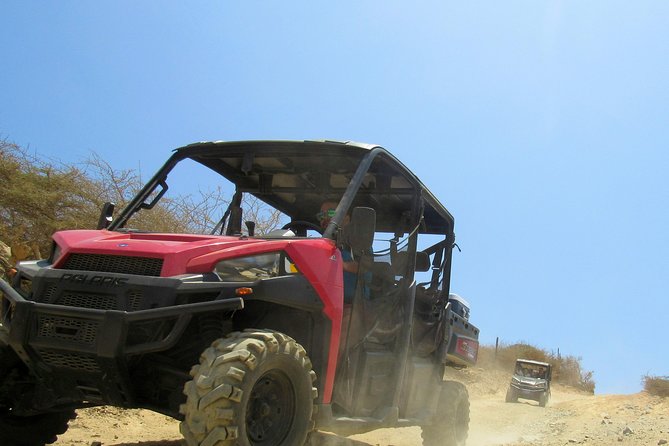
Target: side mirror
{"points": [[106, 215], [422, 262], [361, 229]]}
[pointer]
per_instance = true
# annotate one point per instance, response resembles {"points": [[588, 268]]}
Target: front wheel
{"points": [[250, 389], [450, 426], [35, 430], [32, 430], [543, 399], [511, 396]]}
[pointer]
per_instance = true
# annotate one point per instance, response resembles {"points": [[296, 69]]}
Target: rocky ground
{"points": [[570, 418]]}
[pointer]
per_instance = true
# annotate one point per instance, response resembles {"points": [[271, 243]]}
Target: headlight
{"points": [[252, 268]]}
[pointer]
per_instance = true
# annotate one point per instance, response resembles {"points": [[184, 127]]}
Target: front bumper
{"points": [[85, 354], [529, 393], [102, 332]]}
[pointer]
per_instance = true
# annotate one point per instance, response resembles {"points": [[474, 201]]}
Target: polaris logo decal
{"points": [[94, 280]]}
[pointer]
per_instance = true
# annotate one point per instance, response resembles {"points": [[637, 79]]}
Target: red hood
{"points": [[182, 253]]}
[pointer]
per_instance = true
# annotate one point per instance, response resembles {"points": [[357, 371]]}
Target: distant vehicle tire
{"points": [[253, 388], [543, 399], [511, 396], [33, 430], [451, 423]]}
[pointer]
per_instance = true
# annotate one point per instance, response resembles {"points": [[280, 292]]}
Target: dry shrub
{"points": [[656, 385], [506, 356], [40, 196], [567, 370]]}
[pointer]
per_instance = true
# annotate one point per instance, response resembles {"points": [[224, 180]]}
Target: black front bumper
{"points": [[85, 354]]}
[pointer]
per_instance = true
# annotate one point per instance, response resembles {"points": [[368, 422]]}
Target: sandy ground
{"points": [[570, 418]]}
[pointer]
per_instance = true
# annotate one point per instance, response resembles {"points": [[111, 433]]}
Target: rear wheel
{"points": [[250, 389], [33, 430], [450, 426]]}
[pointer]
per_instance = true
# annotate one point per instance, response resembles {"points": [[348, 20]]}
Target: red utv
{"points": [[246, 337]]}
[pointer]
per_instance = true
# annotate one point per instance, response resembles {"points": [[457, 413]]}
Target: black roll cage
{"points": [[355, 158]]}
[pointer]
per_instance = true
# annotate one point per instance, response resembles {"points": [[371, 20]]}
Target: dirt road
{"points": [[570, 418]]}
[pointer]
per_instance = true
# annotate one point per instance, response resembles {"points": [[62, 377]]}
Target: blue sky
{"points": [[543, 126]]}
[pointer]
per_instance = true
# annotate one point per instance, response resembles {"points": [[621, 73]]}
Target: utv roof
{"points": [[529, 361], [295, 177]]}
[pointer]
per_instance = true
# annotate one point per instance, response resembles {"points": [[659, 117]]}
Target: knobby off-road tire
{"points": [[543, 399], [254, 388], [450, 426], [511, 396], [34, 430]]}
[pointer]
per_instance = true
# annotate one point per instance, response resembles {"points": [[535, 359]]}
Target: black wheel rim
{"points": [[271, 409]]}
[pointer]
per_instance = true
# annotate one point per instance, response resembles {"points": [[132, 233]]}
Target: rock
{"points": [[96, 443], [627, 431], [661, 442]]}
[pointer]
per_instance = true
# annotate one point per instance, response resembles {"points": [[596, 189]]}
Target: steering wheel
{"points": [[296, 225]]}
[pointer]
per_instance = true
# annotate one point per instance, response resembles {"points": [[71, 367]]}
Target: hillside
{"points": [[572, 417]]}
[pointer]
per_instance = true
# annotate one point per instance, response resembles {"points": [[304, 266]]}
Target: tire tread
{"points": [[215, 391]]}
